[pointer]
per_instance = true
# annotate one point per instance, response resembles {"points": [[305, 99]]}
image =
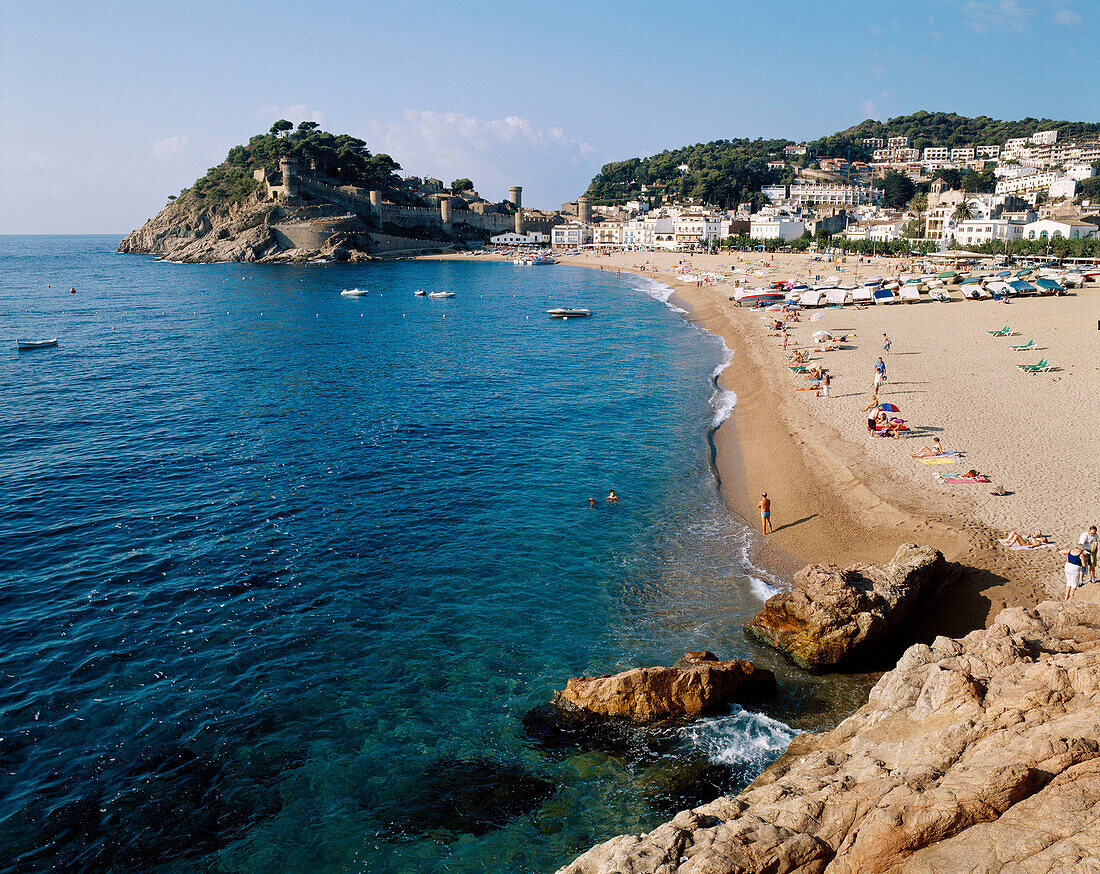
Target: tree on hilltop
{"points": [[282, 126], [308, 125], [462, 185]]}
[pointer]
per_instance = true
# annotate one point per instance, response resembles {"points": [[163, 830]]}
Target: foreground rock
{"points": [[697, 683], [833, 617], [976, 755]]}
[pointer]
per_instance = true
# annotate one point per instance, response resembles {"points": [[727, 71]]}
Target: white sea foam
{"points": [[724, 399], [762, 589], [744, 738]]}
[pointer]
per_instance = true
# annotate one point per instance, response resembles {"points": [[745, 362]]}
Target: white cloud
{"points": [[1067, 17], [986, 15], [171, 147], [494, 153], [297, 112], [868, 107]]}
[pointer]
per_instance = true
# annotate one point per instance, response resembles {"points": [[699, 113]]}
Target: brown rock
{"points": [[977, 755], [697, 683], [833, 616]]}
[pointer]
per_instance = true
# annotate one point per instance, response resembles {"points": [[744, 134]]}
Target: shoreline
{"points": [[833, 501]]}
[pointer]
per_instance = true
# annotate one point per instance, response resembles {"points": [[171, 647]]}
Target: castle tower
{"points": [[515, 196], [519, 221], [445, 210], [376, 207], [289, 169], [584, 210]]}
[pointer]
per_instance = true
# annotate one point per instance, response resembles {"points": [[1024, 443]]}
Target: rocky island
{"points": [[302, 194]]}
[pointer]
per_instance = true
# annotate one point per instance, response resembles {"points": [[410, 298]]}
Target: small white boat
{"points": [[971, 291], [420, 293], [1072, 279], [861, 295], [36, 344], [757, 295], [564, 313], [910, 292], [831, 281], [883, 295], [441, 294], [355, 292], [940, 294], [837, 296], [812, 298]]}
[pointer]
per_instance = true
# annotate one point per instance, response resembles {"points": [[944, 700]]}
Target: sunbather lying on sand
{"points": [[1032, 540], [930, 451], [797, 358]]}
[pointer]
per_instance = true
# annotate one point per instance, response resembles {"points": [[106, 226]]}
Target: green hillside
{"points": [[728, 172]]}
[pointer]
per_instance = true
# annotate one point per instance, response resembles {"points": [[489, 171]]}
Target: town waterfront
{"points": [[285, 568]]}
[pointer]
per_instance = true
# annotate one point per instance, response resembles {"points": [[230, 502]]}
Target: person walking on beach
{"points": [[1088, 542], [824, 385], [765, 513], [885, 342], [880, 373], [1075, 567]]}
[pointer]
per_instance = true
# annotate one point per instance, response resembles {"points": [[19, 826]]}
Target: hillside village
{"points": [[303, 194], [1035, 180]]}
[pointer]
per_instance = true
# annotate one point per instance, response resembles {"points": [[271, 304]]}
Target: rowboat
{"points": [[36, 344], [441, 294], [562, 313], [354, 292]]}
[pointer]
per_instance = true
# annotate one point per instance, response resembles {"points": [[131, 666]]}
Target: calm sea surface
{"points": [[283, 570]]}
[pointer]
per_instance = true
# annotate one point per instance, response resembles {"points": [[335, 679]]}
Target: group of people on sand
{"points": [[1080, 558]]}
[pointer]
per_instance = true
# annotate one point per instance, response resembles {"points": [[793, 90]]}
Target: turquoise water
{"points": [[279, 562]]}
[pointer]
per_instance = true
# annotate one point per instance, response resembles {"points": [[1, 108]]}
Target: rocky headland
{"points": [[980, 754]]}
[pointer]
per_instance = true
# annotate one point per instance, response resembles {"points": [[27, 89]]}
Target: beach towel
{"points": [[939, 461], [951, 478], [892, 428]]}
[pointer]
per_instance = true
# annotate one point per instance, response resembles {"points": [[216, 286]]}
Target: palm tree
{"points": [[962, 212]]}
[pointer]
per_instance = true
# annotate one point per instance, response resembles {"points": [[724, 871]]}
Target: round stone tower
{"points": [[584, 210], [376, 207], [445, 210], [289, 169], [519, 221], [515, 196]]}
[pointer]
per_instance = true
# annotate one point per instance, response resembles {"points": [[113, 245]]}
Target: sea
{"points": [[285, 570]]}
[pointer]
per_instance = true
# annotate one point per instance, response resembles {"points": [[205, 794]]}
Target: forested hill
{"points": [[339, 156], [728, 172]]}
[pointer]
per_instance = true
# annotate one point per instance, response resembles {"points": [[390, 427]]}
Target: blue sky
{"points": [[110, 107]]}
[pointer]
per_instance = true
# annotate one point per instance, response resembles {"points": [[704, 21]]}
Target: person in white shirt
{"points": [[1088, 542]]}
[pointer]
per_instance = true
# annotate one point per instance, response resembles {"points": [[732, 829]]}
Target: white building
{"points": [[874, 143], [963, 155], [795, 151], [607, 234], [1044, 137], [988, 151], [835, 194], [1028, 182], [510, 238], [764, 228], [1064, 187], [570, 235], [1070, 229], [897, 143], [975, 231], [691, 229], [774, 193], [935, 153], [1015, 149]]}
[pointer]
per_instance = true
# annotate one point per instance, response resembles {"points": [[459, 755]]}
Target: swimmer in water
{"points": [[591, 502], [612, 498]]}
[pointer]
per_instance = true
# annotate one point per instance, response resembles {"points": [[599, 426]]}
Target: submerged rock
{"points": [[464, 796], [832, 617], [697, 683], [979, 755]]}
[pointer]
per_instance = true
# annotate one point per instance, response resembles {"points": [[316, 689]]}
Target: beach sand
{"points": [[840, 496]]}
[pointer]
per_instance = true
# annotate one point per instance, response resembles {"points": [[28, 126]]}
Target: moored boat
{"points": [[564, 313], [354, 292], [36, 344], [438, 294], [883, 295]]}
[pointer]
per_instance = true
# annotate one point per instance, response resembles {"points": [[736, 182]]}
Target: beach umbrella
{"points": [[822, 335], [889, 408], [817, 317]]}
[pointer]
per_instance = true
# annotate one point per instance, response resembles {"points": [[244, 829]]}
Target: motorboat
{"points": [[970, 290], [1022, 287], [940, 294], [873, 282], [36, 344], [830, 281], [420, 293], [837, 296], [355, 292], [891, 284], [752, 296], [862, 294], [543, 260], [812, 298], [910, 292], [563, 313], [438, 294], [1073, 279], [883, 295], [1049, 286], [998, 287]]}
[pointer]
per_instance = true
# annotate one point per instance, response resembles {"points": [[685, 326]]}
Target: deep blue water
{"points": [[276, 559]]}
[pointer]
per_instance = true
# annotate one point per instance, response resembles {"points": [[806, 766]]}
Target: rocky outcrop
{"points": [[250, 230], [696, 683], [978, 755], [833, 617]]}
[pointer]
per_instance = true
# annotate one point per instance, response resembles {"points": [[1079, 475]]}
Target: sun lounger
{"points": [[1038, 365], [1003, 332], [1026, 345], [1043, 368], [799, 368]]}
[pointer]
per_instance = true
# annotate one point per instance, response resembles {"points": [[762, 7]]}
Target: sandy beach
{"points": [[841, 496]]}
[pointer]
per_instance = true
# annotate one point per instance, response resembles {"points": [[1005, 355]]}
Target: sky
{"points": [[109, 108]]}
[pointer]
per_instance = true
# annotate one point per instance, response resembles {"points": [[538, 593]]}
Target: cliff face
{"points": [[250, 230], [979, 755]]}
